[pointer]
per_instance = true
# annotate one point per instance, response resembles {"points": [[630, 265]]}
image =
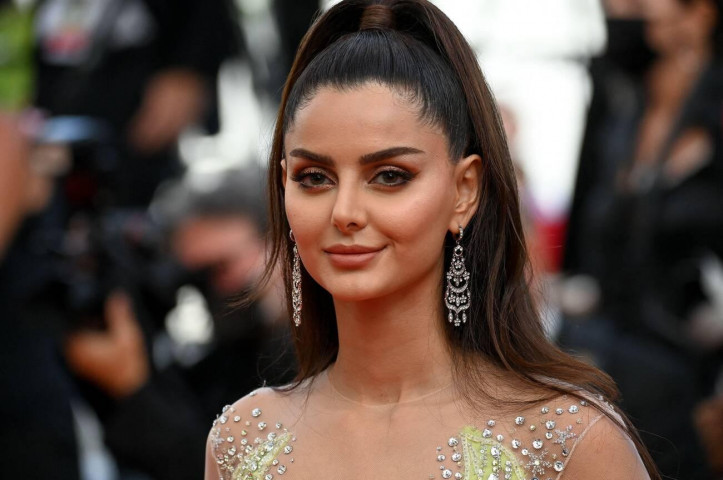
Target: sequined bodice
{"points": [[535, 445]]}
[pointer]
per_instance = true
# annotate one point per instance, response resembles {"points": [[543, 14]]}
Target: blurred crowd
{"points": [[124, 261], [644, 248]]}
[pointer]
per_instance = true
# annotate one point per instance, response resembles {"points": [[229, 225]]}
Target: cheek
{"points": [[307, 215], [417, 222]]}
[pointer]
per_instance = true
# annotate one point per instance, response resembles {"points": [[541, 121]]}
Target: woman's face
{"points": [[371, 192], [673, 25]]}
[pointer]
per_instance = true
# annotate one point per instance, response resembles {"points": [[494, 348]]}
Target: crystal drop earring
{"points": [[296, 283], [457, 295]]}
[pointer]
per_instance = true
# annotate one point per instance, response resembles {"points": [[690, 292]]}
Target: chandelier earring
{"points": [[296, 283], [457, 294]]}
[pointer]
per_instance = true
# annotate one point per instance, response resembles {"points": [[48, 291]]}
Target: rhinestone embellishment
{"points": [[530, 453], [536, 451]]}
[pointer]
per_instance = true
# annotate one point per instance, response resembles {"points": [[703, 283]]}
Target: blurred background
{"points": [[133, 143]]}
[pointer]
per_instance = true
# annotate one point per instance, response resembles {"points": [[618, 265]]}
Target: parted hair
{"points": [[412, 47]]}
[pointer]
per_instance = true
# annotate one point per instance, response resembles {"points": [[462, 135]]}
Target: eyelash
{"points": [[403, 175], [306, 173]]}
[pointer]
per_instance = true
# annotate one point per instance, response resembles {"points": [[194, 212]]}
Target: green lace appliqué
{"points": [[260, 458], [485, 458]]}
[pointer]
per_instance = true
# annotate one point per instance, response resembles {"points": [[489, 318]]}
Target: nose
{"points": [[349, 213]]}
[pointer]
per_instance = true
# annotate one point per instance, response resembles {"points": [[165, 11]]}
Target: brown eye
{"points": [[312, 179], [315, 179], [392, 177]]}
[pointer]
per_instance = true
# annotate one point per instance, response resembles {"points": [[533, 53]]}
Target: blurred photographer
{"points": [[166, 388], [140, 70], [118, 81]]}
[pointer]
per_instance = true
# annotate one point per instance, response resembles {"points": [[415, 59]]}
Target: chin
{"points": [[360, 290]]}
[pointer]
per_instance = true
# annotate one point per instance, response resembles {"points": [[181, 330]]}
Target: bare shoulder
{"points": [[256, 410], [251, 427], [271, 399], [604, 449], [578, 435]]}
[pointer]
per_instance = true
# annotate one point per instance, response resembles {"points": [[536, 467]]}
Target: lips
{"points": [[351, 256]]}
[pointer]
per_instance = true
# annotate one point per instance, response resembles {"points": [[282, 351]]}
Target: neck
{"points": [[392, 350], [688, 61]]}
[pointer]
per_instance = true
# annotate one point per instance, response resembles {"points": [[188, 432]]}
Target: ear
{"points": [[467, 175], [283, 172]]}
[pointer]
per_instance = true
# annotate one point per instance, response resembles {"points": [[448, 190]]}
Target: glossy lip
{"points": [[351, 256]]}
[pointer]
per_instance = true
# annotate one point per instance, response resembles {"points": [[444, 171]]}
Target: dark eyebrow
{"points": [[388, 153], [315, 157], [364, 160]]}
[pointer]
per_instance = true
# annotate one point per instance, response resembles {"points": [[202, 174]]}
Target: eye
{"points": [[312, 179], [392, 177]]}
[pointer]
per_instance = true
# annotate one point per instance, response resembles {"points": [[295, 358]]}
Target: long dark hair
{"points": [[413, 48]]}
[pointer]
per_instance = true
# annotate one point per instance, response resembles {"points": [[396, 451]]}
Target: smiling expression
{"points": [[369, 193]]}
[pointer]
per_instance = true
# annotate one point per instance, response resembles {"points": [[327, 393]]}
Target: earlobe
{"points": [[468, 175], [283, 172]]}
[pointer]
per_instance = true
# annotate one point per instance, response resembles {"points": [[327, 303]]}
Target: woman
{"points": [[389, 168]]}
